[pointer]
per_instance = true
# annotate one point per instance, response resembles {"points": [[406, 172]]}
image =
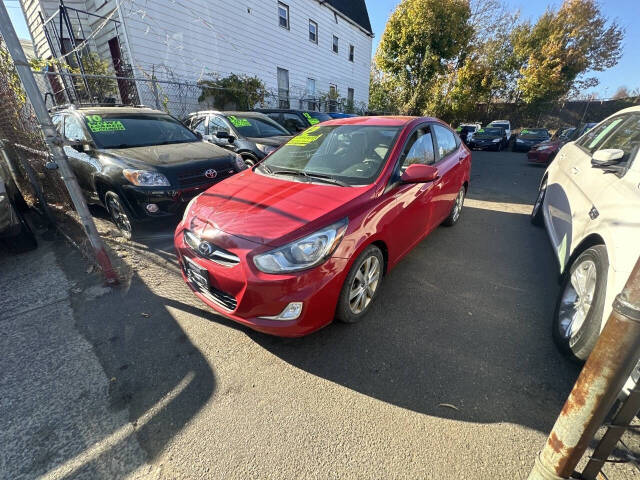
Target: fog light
{"points": [[152, 208], [291, 312]]}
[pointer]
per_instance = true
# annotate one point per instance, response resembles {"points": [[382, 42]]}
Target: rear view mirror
{"points": [[419, 173]]}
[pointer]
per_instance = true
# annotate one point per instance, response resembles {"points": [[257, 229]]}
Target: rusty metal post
{"points": [[55, 144], [601, 380]]}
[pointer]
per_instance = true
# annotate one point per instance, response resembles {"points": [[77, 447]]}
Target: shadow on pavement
{"points": [[155, 371], [474, 336]]}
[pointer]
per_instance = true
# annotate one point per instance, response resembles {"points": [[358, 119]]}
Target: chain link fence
{"points": [[179, 98], [24, 151]]}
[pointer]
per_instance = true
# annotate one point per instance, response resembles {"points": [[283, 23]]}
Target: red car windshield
{"points": [[349, 154]]}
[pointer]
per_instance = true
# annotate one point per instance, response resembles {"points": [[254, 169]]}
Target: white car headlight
{"points": [[496, 140], [144, 178], [519, 141], [266, 149], [544, 147], [304, 253]]}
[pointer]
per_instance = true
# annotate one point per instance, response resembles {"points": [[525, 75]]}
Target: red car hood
{"points": [[265, 209]]}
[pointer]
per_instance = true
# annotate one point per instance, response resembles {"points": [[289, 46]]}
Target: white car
{"points": [[589, 203], [506, 124]]}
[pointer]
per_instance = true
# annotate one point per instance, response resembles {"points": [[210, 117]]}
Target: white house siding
{"points": [[189, 39]]}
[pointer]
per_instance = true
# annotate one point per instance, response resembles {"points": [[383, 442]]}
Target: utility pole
{"points": [[55, 143], [601, 380]]}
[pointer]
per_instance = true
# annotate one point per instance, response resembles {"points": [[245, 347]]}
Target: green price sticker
{"points": [[524, 132], [239, 122], [480, 131], [312, 121], [459, 129], [105, 126], [305, 138]]}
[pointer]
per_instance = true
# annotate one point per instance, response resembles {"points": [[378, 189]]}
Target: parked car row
{"points": [[281, 233]]}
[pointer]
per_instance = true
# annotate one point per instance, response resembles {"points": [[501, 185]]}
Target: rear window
{"points": [[137, 130]]}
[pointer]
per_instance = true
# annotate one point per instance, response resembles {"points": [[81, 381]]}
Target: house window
{"points": [[283, 87], [313, 31], [350, 95], [352, 52], [311, 87], [333, 92], [335, 44], [283, 15]]}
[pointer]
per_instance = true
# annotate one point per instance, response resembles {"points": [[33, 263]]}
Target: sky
{"points": [[626, 12], [626, 73]]}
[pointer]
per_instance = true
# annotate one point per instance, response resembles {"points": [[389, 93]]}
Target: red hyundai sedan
{"points": [[308, 234]]}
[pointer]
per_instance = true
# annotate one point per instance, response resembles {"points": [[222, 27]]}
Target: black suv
{"points": [[251, 135], [139, 163], [295, 121], [15, 232]]}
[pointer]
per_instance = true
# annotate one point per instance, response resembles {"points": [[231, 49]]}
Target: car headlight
{"points": [[519, 141], [544, 147], [304, 253], [239, 163], [189, 205], [144, 178], [496, 140], [266, 149]]}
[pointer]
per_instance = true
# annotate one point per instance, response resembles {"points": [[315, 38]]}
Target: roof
{"points": [[386, 121], [356, 10]]}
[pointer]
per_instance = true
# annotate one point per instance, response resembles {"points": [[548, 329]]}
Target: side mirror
{"points": [[222, 135], [607, 157], [80, 145], [419, 173], [199, 135]]}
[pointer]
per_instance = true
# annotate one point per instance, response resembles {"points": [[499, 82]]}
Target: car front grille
{"points": [[219, 297], [194, 178], [215, 254]]}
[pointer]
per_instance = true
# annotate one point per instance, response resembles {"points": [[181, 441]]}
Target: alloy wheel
{"points": [[119, 215], [577, 299], [457, 207], [364, 285]]}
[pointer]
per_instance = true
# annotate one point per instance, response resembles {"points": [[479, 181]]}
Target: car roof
{"points": [[383, 121], [226, 113], [108, 110]]}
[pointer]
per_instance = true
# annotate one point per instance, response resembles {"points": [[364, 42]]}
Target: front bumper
{"points": [[540, 156], [170, 201], [483, 145], [245, 295]]}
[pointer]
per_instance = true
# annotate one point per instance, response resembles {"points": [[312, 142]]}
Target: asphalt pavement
{"points": [[453, 374]]}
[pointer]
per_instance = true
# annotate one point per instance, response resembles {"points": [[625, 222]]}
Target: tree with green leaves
{"points": [[556, 52], [240, 90], [421, 38]]}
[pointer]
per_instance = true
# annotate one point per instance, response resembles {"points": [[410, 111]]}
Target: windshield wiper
{"points": [[327, 179], [294, 173]]}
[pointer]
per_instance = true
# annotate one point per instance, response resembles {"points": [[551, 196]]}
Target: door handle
{"points": [[575, 170]]}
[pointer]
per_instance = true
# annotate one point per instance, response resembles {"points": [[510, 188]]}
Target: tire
{"points": [[537, 215], [352, 309], [456, 209], [25, 240], [578, 317], [120, 214], [249, 159]]}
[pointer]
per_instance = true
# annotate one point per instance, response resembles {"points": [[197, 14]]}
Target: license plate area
{"points": [[196, 274]]}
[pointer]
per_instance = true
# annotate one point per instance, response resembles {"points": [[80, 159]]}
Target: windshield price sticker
{"points": [[305, 138], [239, 122], [525, 132], [97, 124], [312, 121], [480, 131]]}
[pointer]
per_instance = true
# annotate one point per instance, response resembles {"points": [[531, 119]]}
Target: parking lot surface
{"points": [[452, 375]]}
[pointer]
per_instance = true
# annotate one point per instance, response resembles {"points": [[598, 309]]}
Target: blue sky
{"points": [[626, 73], [626, 12]]}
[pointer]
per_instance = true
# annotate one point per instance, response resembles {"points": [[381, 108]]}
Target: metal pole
{"points": [[55, 144], [601, 380]]}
